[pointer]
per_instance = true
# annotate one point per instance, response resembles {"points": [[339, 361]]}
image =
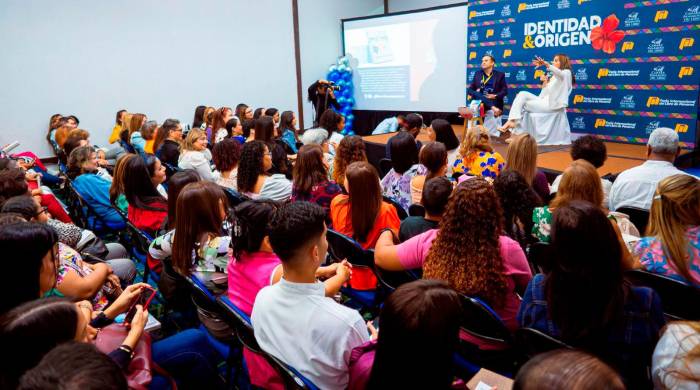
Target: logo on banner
{"points": [[656, 46], [605, 72], [656, 101], [652, 126], [632, 20], [681, 128], [578, 99], [505, 33], [530, 6], [661, 14], [471, 75], [578, 123], [560, 32], [474, 36], [581, 74], [475, 14], [692, 14], [600, 122], [472, 55], [507, 53], [489, 33], [505, 11], [685, 71], [563, 4], [591, 100], [520, 76], [627, 102], [627, 46], [686, 42], [658, 74], [538, 73]]}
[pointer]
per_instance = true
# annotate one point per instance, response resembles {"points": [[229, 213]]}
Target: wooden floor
{"points": [[556, 158]]}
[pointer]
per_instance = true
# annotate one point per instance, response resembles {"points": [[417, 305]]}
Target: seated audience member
{"points": [[362, 214], [207, 124], [397, 182], [137, 125], [60, 321], [615, 321], [55, 122], [15, 181], [390, 125], [196, 243], [420, 319], [219, 119], [73, 237], [254, 179], [234, 129], [333, 123], [226, 154], [118, 126], [260, 111], [265, 132], [672, 247], [72, 142], [675, 363], [349, 150], [61, 134], [413, 126], [433, 157], [436, 192], [74, 365], [468, 252], [564, 369], [315, 325], [176, 183], [82, 169], [635, 187], [518, 200], [148, 132], [156, 171], [248, 129], [476, 155], [243, 112], [167, 142], [581, 182], [441, 131], [195, 155], [311, 182], [116, 191], [593, 150], [522, 158], [147, 206], [288, 131], [274, 114]]}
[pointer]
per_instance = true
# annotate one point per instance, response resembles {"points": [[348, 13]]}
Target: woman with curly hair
{"points": [[518, 200], [350, 149], [467, 251], [476, 155], [254, 179]]}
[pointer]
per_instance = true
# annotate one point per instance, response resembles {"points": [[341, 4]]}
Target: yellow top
{"points": [[149, 146], [115, 134]]}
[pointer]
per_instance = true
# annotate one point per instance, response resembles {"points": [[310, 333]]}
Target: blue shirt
{"points": [[388, 125], [95, 190], [290, 140], [138, 142]]}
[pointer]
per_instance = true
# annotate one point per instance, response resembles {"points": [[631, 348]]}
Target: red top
{"points": [[342, 220], [148, 220]]}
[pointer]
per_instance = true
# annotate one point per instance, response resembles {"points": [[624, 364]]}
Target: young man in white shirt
{"points": [[635, 187], [293, 320]]}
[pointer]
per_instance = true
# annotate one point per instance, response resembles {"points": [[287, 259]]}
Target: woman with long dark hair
{"points": [[444, 133], [584, 299], [310, 181], [254, 177], [397, 182], [219, 119], [198, 117], [147, 206], [518, 200], [288, 131], [433, 157], [168, 142], [176, 183]]}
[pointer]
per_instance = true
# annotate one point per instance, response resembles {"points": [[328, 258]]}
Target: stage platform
{"points": [[552, 159]]}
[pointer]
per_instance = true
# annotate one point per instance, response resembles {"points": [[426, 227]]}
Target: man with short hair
{"points": [[390, 125], [413, 124], [592, 149], [436, 193], [489, 86], [293, 320], [636, 186]]}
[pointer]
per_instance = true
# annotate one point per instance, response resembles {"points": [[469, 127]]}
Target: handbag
{"points": [[139, 373]]}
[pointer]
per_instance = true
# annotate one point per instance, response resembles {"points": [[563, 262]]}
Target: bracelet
{"points": [[128, 350]]}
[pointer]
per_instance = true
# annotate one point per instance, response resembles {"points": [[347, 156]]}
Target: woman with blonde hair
{"points": [[676, 360], [476, 155], [522, 158], [116, 191], [195, 155], [672, 245]]}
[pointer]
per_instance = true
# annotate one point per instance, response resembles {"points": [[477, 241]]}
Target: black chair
{"points": [[399, 210], [234, 197], [85, 216], [138, 243], [416, 210], [384, 166], [343, 247], [533, 342], [540, 256], [639, 217], [170, 170], [679, 299], [391, 280]]}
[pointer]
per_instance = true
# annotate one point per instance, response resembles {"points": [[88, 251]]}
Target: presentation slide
{"points": [[409, 62]]}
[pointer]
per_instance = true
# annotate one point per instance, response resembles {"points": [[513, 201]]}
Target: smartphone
{"points": [[143, 299]]}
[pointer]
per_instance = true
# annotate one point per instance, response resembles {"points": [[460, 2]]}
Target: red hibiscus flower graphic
{"points": [[606, 37]]}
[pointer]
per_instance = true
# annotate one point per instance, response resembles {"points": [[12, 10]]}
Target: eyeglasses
{"points": [[42, 211]]}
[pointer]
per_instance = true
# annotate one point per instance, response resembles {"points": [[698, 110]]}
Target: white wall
{"points": [[92, 58], [320, 40], [410, 5]]}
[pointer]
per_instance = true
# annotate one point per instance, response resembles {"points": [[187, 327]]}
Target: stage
{"points": [[551, 159]]}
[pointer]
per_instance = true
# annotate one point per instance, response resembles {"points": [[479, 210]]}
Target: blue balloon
{"points": [[341, 101], [349, 118], [351, 133], [345, 110], [351, 100], [348, 69], [342, 68], [344, 60], [347, 77], [333, 76], [347, 93], [333, 68]]}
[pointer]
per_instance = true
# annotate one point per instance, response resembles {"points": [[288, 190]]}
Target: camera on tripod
{"points": [[330, 85]]}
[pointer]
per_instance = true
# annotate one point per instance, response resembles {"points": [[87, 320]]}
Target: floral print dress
{"points": [[398, 187], [70, 261], [485, 164], [651, 255], [212, 256]]}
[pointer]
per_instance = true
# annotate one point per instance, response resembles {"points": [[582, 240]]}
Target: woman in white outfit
{"points": [[553, 97]]}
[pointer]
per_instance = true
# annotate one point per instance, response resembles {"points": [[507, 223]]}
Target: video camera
{"points": [[329, 84]]}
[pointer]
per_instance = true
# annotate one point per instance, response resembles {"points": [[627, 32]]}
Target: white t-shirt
{"points": [[299, 325], [636, 186]]}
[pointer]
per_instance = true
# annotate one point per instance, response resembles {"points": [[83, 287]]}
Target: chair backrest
{"points": [[533, 342], [478, 319], [384, 166], [292, 378], [86, 215], [399, 210], [170, 169], [416, 210], [540, 256], [391, 280], [234, 197], [679, 299], [127, 146], [343, 247], [639, 217]]}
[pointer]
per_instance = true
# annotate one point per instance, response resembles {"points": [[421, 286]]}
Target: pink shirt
{"points": [[413, 252]]}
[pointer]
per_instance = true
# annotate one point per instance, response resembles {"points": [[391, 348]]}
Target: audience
{"points": [[15, 181], [254, 179], [148, 132], [349, 150], [433, 157], [234, 129], [443, 132], [274, 114], [259, 112], [414, 124], [672, 247], [198, 117], [635, 187], [436, 193], [330, 125], [248, 129], [288, 131], [675, 363], [522, 158], [311, 182], [219, 119], [482, 263], [476, 155], [397, 182], [116, 191], [362, 214], [593, 150], [314, 325], [147, 205], [419, 335], [243, 112], [118, 125], [195, 155], [226, 154], [175, 185], [518, 200], [167, 142], [616, 322]]}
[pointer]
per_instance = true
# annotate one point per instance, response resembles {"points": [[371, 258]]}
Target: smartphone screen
{"points": [[143, 299]]}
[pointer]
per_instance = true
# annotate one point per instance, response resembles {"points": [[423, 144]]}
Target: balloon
{"points": [[344, 60], [350, 100], [333, 68], [348, 69], [347, 77], [345, 110], [349, 118], [347, 93], [341, 101], [342, 68], [333, 76], [341, 83], [351, 133]]}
